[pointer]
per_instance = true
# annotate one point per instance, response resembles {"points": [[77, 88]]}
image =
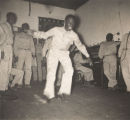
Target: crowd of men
{"points": [[25, 52]]}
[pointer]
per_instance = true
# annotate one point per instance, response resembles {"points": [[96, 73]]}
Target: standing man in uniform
{"points": [[6, 54], [62, 39], [107, 52], [25, 50], [124, 55]]}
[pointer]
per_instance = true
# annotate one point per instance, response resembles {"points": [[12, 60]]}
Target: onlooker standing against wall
{"points": [[107, 52], [6, 54], [25, 50]]}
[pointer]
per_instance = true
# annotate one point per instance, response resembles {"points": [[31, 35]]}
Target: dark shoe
{"points": [[113, 88], [127, 93], [46, 99]]}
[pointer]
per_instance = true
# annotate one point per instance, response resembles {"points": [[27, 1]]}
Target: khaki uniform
{"points": [[58, 52], [34, 69], [6, 41], [107, 52], [86, 72], [24, 49], [124, 53]]}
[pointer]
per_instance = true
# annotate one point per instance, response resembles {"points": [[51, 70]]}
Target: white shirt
{"points": [[6, 34], [62, 39]]}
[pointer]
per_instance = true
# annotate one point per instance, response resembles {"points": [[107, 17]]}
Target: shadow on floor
{"points": [[85, 103]]}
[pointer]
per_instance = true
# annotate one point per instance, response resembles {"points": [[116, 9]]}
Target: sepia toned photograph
{"points": [[64, 59]]}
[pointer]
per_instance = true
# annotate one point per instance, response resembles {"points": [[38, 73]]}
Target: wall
{"points": [[21, 8], [98, 17]]}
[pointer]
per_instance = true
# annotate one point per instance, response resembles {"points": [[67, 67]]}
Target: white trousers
{"points": [[5, 67], [18, 76], [125, 65], [25, 61], [110, 72], [59, 75], [54, 57]]}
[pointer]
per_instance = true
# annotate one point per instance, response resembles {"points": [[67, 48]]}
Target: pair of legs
{"points": [[38, 70], [54, 57], [87, 73], [110, 72], [18, 76], [25, 61], [5, 67]]}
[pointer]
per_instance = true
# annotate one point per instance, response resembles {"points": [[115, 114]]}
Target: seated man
{"points": [[80, 64]]}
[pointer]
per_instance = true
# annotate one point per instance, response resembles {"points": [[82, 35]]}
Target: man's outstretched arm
{"points": [[81, 47]]}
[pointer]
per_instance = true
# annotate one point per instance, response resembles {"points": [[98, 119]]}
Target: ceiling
{"points": [[69, 4]]}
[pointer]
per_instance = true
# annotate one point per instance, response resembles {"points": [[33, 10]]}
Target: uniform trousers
{"points": [[55, 56], [86, 72], [18, 76], [34, 69], [25, 61], [5, 67], [110, 72]]}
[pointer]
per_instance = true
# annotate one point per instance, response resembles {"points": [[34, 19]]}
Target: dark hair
{"points": [[11, 15], [25, 26], [69, 16], [109, 37]]}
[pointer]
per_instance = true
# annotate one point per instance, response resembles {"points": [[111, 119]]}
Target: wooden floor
{"points": [[85, 103]]}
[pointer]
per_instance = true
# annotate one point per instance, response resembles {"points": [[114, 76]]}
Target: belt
{"points": [[26, 49], [23, 49], [59, 49], [110, 55]]}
